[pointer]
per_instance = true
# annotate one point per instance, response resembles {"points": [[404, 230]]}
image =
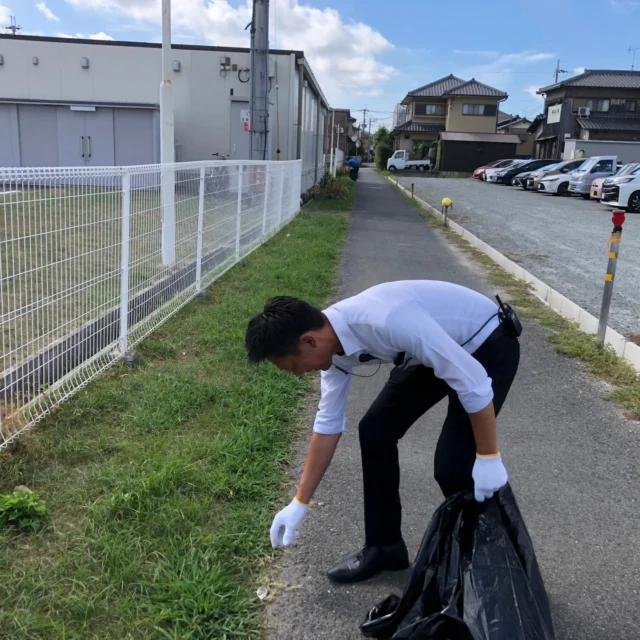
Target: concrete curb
{"points": [[552, 298]]}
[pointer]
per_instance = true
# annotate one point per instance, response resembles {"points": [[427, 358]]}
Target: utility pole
{"points": [[14, 28], [167, 143], [259, 96], [558, 71], [632, 50]]}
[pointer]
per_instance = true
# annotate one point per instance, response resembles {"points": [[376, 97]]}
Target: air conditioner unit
{"points": [[584, 111]]}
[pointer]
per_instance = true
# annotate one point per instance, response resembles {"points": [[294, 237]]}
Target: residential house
{"points": [[536, 129], [599, 104], [519, 127], [463, 114], [344, 131]]}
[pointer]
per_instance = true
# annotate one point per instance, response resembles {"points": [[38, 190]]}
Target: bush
{"points": [[22, 510], [330, 188], [342, 171], [383, 153]]}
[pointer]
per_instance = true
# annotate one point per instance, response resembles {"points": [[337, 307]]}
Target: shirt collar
{"points": [[349, 342]]}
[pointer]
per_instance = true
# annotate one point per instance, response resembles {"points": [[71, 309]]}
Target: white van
{"points": [[623, 192]]}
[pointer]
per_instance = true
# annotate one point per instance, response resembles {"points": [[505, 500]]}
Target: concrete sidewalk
{"points": [[572, 458]]}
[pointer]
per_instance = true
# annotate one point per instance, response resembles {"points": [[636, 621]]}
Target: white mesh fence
{"points": [[89, 265]]}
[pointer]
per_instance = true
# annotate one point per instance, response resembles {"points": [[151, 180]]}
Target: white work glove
{"points": [[284, 529], [489, 475]]}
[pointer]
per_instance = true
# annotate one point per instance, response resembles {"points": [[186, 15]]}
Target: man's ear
{"points": [[309, 340]]}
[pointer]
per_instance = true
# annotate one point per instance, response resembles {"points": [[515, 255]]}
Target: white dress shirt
{"points": [[426, 319]]}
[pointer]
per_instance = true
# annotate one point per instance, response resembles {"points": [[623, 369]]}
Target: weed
{"points": [[22, 510]]}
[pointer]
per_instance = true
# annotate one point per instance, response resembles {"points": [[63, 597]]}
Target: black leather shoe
{"points": [[369, 562]]}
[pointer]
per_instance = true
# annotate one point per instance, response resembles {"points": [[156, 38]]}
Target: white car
{"points": [[623, 192], [557, 184], [495, 175]]}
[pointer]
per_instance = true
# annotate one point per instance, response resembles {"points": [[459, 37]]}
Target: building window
{"points": [[598, 105], [429, 109], [479, 109], [630, 105]]}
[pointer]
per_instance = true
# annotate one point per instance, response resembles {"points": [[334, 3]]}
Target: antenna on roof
{"points": [[14, 28], [558, 71], [633, 51]]}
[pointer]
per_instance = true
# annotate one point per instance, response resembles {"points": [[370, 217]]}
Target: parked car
{"points": [[558, 169], [623, 191], [592, 169], [496, 164], [401, 160], [495, 175], [596, 185], [529, 165]]}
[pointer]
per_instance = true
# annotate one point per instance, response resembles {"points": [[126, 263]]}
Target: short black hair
{"points": [[276, 331]]}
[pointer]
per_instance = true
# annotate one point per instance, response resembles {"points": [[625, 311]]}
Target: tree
{"points": [[382, 136]]}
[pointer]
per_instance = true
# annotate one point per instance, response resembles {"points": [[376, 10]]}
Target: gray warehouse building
{"points": [[73, 102]]}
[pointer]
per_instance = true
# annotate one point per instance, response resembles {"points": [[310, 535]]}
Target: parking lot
{"points": [[562, 241]]}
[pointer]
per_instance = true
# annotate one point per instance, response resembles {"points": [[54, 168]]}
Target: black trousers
{"points": [[406, 396]]}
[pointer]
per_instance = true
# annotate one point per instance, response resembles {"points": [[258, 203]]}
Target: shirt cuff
{"points": [[477, 399], [329, 425]]}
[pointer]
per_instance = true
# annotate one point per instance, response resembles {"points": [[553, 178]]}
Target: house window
{"points": [[479, 109], [630, 105], [429, 109], [598, 105]]}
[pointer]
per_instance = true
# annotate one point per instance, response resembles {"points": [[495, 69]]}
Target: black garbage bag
{"points": [[475, 577]]}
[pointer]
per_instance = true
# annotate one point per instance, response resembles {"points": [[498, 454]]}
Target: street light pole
{"points": [[167, 143]]}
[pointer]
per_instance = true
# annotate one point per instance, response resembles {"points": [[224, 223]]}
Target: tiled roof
{"points": [[475, 88], [604, 78], [522, 122], [410, 125], [503, 116], [609, 123], [438, 88], [452, 86]]}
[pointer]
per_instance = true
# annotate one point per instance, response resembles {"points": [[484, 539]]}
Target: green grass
{"points": [[160, 481], [602, 362], [334, 205]]}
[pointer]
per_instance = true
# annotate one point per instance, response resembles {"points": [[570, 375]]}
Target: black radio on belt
{"points": [[509, 318]]}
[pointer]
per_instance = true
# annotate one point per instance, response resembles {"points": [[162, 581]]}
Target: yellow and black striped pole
{"points": [[614, 248]]}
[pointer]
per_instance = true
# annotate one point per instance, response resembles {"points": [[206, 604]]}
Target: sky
{"points": [[370, 53]]}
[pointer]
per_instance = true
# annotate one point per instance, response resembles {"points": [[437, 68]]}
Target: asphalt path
{"points": [[572, 458]]}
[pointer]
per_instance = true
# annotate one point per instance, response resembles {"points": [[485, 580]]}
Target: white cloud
{"points": [[476, 52], [532, 91], [100, 36], [5, 15], [93, 36], [624, 6], [501, 71], [48, 14], [344, 55], [579, 70]]}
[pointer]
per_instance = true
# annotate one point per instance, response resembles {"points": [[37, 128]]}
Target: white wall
{"points": [[130, 75], [626, 151]]}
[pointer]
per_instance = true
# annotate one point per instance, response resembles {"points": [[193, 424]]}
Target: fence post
{"points": [[200, 231], [281, 199], [266, 200], [614, 248], [124, 261], [239, 211]]}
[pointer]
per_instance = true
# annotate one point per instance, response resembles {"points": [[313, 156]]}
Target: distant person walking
{"points": [[354, 168]]}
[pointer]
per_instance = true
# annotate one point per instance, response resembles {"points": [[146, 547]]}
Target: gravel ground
{"points": [[562, 241]]}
